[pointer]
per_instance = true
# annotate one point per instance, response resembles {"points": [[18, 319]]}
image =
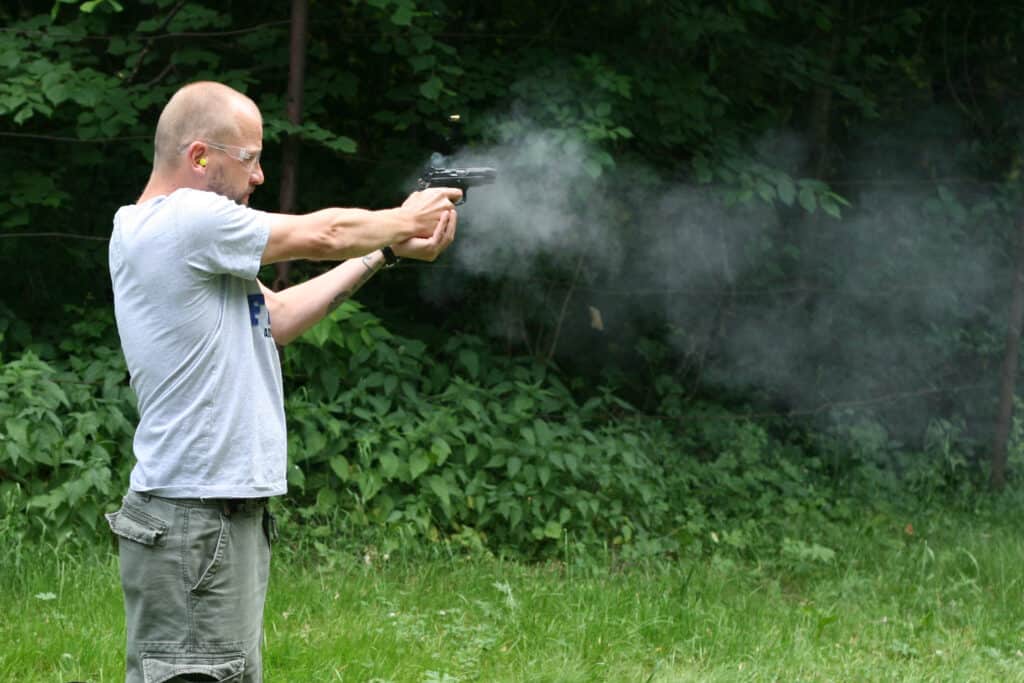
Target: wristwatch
{"points": [[389, 257]]}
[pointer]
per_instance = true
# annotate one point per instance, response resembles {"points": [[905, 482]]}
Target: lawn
{"points": [[938, 601]]}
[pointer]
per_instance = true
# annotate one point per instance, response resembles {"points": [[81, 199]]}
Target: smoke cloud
{"points": [[815, 311]]}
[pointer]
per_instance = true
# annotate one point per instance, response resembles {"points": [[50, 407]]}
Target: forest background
{"points": [[751, 273]]}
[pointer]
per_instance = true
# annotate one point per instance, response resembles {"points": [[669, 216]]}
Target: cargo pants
{"points": [[194, 574]]}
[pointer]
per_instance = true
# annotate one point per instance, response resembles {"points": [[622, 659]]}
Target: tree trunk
{"points": [[1008, 386], [290, 150]]}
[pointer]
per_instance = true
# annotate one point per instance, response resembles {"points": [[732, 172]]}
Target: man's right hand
{"points": [[426, 207]]}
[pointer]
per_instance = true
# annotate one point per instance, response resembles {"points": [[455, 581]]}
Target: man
{"points": [[199, 334]]}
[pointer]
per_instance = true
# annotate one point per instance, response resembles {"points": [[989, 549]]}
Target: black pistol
{"points": [[462, 178]]}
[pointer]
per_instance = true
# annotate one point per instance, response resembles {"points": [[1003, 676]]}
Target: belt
{"points": [[227, 506]]}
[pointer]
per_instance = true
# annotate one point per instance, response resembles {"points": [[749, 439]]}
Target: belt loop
{"points": [[225, 507]]}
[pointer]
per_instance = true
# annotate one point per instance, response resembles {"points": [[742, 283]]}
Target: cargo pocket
{"points": [[136, 525], [159, 667]]}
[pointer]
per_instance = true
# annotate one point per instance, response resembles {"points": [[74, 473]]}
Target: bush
{"points": [[66, 425], [467, 445], [398, 446]]}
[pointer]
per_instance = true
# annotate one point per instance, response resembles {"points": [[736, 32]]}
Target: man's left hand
{"points": [[429, 248]]}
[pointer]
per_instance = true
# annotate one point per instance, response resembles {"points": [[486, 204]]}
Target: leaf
{"points": [[389, 464], [9, 59], [440, 449], [339, 464], [17, 430], [471, 361], [24, 114], [326, 499], [514, 465], [830, 207], [441, 489], [543, 432], [402, 15], [369, 484], [765, 191], [330, 378], [515, 515], [296, 477], [593, 168], [317, 335], [342, 144], [432, 88], [808, 200], [418, 464], [786, 189]]}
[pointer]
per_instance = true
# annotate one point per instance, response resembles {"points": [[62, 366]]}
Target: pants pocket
{"points": [[135, 525], [160, 667], [208, 540]]}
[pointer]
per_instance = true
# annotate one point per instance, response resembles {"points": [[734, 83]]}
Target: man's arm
{"points": [[337, 234], [296, 309]]}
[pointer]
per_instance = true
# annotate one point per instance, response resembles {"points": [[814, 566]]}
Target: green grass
{"points": [[942, 604]]}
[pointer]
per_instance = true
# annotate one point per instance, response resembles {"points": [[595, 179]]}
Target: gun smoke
{"points": [[815, 313]]}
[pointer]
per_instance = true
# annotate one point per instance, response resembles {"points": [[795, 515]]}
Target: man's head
{"points": [[209, 137]]}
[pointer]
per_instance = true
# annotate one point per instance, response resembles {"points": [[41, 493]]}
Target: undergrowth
{"points": [[395, 446]]}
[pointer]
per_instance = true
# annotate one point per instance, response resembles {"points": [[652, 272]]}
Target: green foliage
{"points": [[465, 447], [402, 447], [494, 453], [65, 433]]}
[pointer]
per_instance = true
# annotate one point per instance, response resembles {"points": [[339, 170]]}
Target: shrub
{"points": [[464, 444], [65, 432]]}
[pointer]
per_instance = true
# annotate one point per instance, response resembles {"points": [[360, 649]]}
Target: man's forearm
{"points": [[338, 233], [296, 309]]}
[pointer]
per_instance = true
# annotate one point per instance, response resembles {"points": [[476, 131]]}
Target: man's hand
{"points": [[429, 248], [427, 206]]}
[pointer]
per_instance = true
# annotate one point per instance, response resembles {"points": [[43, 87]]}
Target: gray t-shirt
{"points": [[196, 337]]}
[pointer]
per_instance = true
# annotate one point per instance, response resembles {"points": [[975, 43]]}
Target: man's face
{"points": [[235, 171]]}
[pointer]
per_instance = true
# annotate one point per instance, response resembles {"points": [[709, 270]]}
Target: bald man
{"points": [[199, 334]]}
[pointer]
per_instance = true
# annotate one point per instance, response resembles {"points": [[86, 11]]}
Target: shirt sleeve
{"points": [[220, 236]]}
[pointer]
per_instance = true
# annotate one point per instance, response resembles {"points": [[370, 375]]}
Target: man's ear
{"points": [[197, 155]]}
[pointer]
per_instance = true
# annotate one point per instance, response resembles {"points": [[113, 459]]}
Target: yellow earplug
{"points": [[202, 162]]}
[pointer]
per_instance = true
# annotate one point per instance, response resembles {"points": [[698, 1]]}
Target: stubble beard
{"points": [[218, 184]]}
